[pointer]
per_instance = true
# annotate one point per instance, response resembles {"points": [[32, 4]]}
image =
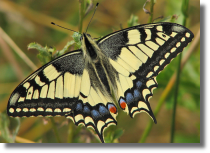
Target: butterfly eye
{"points": [[88, 35], [81, 38]]}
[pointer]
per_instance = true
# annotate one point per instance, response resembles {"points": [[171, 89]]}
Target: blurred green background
{"points": [[26, 21]]}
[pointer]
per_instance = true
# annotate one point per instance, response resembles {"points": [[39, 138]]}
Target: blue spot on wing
{"points": [[129, 98], [79, 107], [138, 84], [86, 110], [103, 110], [136, 93], [95, 114]]}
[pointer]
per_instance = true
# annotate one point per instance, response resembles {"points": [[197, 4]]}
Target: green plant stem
{"points": [[156, 111], [151, 10], [70, 131], [184, 11], [175, 99], [82, 7], [55, 129]]}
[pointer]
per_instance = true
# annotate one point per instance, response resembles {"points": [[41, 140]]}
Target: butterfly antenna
{"points": [[63, 27], [92, 17]]}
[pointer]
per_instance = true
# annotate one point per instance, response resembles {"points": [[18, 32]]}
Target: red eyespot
{"points": [[123, 104], [112, 108]]}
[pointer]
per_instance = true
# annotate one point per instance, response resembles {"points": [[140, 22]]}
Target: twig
{"points": [[8, 54], [21, 140], [17, 49], [151, 10]]}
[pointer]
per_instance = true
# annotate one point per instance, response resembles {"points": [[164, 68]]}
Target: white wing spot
{"points": [[66, 110], [18, 110], [11, 110], [173, 34], [183, 39], [178, 44], [166, 55], [49, 110], [32, 110], [156, 68], [162, 61], [173, 49], [25, 109], [149, 74], [40, 109], [58, 110], [187, 34]]}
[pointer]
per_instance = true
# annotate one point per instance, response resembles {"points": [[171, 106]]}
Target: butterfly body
{"points": [[86, 85]]}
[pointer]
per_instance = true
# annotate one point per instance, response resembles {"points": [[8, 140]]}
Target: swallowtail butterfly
{"points": [[86, 85]]}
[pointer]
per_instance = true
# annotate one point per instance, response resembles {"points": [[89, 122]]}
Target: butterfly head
{"points": [[89, 46]]}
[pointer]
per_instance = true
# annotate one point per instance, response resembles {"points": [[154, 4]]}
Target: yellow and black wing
{"points": [[138, 54], [64, 87]]}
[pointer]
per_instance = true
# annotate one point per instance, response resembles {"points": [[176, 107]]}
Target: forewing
{"points": [[50, 90]]}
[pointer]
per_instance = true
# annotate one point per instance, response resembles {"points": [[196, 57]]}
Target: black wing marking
{"points": [[138, 54]]}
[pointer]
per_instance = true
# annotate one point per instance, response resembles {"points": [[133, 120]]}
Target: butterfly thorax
{"points": [[98, 65]]}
